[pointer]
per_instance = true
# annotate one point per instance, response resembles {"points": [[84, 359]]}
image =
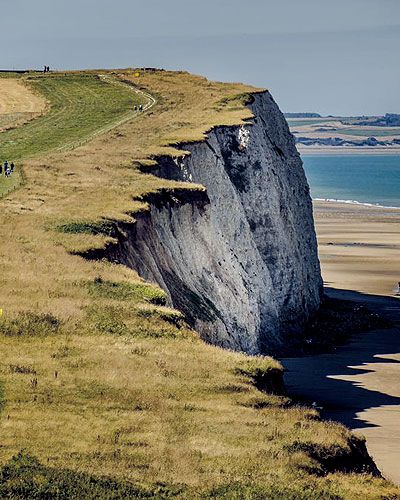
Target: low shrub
{"points": [[125, 291], [106, 228], [265, 373], [29, 324], [25, 370]]}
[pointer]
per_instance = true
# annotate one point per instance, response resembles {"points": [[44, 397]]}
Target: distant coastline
{"points": [[343, 150], [345, 135], [355, 202]]}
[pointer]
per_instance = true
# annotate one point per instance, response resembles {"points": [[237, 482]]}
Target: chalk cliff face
{"points": [[240, 260]]}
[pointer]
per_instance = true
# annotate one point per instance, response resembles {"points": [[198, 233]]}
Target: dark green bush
{"points": [[106, 228]]}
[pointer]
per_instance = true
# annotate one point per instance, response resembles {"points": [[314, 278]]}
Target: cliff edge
{"points": [[239, 260]]}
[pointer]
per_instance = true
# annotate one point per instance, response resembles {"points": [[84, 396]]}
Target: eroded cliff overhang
{"points": [[239, 259]]}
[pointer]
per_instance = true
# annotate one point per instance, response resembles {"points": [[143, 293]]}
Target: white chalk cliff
{"points": [[239, 260]]}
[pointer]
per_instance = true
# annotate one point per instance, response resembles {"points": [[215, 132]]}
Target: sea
{"points": [[372, 180]]}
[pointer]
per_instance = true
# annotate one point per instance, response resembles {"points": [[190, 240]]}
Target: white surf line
{"points": [[151, 101]]}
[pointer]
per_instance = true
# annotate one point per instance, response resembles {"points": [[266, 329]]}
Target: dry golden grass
{"points": [[120, 386], [18, 103], [16, 97]]}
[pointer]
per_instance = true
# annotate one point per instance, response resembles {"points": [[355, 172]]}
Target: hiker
{"points": [[12, 166], [6, 167], [1, 169], [141, 107], [135, 108]]}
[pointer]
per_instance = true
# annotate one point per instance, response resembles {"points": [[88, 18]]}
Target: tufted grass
{"points": [[174, 411]]}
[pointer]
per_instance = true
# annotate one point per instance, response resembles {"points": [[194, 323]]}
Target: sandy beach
{"points": [[358, 383], [359, 247]]}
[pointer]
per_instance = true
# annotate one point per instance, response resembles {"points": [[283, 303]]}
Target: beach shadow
{"points": [[333, 380]]}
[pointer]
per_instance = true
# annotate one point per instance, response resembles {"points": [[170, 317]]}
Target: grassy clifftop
{"points": [[97, 375]]}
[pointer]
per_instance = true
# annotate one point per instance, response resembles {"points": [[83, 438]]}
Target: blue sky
{"points": [[333, 57]]}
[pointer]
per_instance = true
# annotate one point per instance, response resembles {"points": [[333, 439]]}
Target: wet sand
{"points": [[359, 383], [359, 247]]}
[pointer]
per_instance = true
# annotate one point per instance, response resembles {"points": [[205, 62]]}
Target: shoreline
{"points": [[341, 151], [357, 384], [355, 203], [359, 246]]}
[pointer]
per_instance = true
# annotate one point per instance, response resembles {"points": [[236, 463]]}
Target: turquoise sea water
{"points": [[365, 179]]}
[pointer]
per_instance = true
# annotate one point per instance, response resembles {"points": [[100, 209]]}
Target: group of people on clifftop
{"points": [[8, 168]]}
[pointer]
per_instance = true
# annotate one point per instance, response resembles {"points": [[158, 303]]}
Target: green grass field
{"points": [[368, 132], [79, 107]]}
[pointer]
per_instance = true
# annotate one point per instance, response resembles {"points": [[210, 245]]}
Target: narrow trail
{"points": [[359, 383], [131, 114], [55, 119]]}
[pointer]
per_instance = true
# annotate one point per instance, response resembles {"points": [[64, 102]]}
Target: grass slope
{"points": [[79, 106], [99, 378]]}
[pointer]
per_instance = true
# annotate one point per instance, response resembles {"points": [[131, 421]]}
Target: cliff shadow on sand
{"points": [[357, 384], [335, 381]]}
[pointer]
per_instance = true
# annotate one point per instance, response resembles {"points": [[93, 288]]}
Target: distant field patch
{"points": [[369, 132], [310, 121]]}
